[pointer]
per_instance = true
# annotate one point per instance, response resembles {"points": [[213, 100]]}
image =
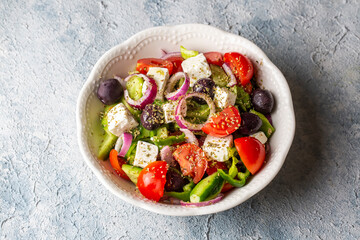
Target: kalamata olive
{"points": [[152, 116], [250, 123], [204, 85], [174, 181], [109, 91], [262, 100]]}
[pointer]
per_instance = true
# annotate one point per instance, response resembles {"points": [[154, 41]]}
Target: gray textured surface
{"points": [[47, 49]]}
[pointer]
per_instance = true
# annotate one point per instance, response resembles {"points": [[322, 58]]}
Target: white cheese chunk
{"points": [[196, 68], [161, 76], [145, 153], [169, 111], [224, 97], [260, 136], [120, 120], [216, 148]]}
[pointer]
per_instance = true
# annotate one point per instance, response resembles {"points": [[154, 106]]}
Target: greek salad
{"points": [[186, 127]]}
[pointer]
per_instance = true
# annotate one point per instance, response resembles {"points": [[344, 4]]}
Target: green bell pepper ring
{"points": [[266, 126], [234, 182], [185, 53], [185, 195]]}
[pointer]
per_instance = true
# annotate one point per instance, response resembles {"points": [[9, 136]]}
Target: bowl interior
{"points": [[149, 43]]}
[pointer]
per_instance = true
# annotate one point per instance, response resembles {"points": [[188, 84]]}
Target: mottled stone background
{"points": [[47, 49]]}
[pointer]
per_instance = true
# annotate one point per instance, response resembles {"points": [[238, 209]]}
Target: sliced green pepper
{"points": [[266, 127], [169, 140], [206, 188], [185, 195], [187, 53], [235, 182]]}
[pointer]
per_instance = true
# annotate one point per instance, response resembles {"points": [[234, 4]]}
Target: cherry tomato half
{"points": [[252, 153], [152, 179], [241, 66], [224, 123], [192, 160], [176, 61], [117, 162], [215, 58], [144, 64]]}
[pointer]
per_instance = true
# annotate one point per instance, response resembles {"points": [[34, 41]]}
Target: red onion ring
{"points": [[166, 155], [190, 137], [202, 204], [171, 84], [148, 95], [123, 144], [170, 54], [228, 71], [180, 111]]}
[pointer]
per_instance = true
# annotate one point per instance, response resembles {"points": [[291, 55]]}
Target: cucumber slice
{"points": [[132, 172], [106, 146], [134, 86], [219, 76]]}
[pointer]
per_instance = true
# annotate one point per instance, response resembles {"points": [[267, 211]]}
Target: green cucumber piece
{"points": [[187, 53], [205, 188], [134, 86], [136, 113], [219, 76], [184, 196], [132, 172], [266, 126], [106, 146], [162, 132]]}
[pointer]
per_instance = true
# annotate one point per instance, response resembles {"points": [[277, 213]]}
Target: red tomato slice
{"points": [[192, 160], [144, 64], [152, 179], [224, 123], [241, 66], [248, 88], [215, 58], [252, 153], [227, 187], [176, 61], [117, 162]]}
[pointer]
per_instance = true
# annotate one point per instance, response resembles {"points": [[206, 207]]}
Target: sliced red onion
{"points": [[171, 84], [202, 204], [121, 81], [190, 137], [170, 54], [166, 155], [123, 144], [181, 109], [228, 71], [149, 92]]}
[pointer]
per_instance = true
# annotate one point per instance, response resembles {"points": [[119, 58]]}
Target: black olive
{"points": [[152, 117]]}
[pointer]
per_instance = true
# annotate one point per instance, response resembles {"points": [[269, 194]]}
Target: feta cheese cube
{"points": [[145, 154], [216, 148], [120, 120], [169, 111], [260, 136], [224, 97], [161, 76], [196, 68]]}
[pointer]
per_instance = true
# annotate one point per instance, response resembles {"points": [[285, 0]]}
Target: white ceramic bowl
{"points": [[148, 43]]}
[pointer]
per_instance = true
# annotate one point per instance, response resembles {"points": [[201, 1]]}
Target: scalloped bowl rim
{"points": [[177, 210]]}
